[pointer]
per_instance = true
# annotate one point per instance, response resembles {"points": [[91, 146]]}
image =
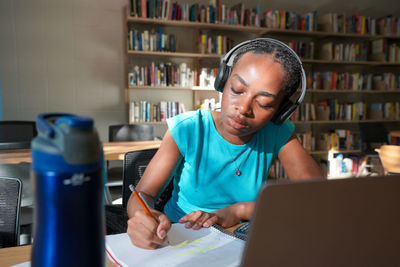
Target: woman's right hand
{"points": [[145, 232]]}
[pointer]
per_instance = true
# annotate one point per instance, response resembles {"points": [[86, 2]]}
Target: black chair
{"points": [[134, 165], [130, 132], [10, 201], [16, 134], [120, 133]]}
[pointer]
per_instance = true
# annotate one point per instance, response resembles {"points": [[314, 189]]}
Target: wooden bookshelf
{"points": [[314, 65]]}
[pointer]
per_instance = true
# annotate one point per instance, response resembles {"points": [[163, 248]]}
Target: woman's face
{"points": [[251, 95]]}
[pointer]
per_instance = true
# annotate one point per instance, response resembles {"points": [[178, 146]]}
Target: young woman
{"points": [[219, 160]]}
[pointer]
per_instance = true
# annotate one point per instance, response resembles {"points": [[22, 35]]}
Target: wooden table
{"points": [[112, 151], [16, 255]]}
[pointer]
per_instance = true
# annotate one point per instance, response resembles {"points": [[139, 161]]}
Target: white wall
{"points": [[63, 56], [68, 55]]}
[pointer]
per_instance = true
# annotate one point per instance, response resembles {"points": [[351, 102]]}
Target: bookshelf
{"points": [[189, 52]]}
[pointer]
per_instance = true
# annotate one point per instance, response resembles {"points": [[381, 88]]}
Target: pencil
{"points": [[141, 201]]}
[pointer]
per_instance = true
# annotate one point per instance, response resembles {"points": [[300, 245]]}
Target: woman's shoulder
{"points": [[187, 118]]}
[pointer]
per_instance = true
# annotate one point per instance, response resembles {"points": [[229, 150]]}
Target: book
{"points": [[209, 247]]}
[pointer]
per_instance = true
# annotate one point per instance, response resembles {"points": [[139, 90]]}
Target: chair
{"points": [[16, 134], [134, 165], [10, 201], [120, 133], [130, 132]]}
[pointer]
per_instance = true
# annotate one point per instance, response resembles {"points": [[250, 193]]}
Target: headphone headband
{"points": [[226, 68]]}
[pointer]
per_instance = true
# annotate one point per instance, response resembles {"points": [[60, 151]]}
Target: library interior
{"points": [[91, 84]]}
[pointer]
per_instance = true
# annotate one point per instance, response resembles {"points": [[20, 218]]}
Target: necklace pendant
{"points": [[238, 173]]}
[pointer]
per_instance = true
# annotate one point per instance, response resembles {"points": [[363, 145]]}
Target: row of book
{"points": [[381, 50], [340, 139], [304, 50], [151, 41], [162, 74], [144, 111], [281, 19], [393, 54], [219, 44], [214, 12], [217, 12], [338, 22], [344, 51], [353, 81], [389, 25], [332, 110]]}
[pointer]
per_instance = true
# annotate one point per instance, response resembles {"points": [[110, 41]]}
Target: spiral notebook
{"points": [[209, 247]]}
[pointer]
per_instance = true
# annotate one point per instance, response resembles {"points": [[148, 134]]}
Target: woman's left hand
{"points": [[226, 217]]}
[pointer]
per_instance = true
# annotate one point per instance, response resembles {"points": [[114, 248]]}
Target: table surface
{"points": [[16, 255], [112, 151], [18, 161]]}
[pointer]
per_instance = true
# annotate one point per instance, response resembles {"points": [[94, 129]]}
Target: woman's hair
{"points": [[280, 54]]}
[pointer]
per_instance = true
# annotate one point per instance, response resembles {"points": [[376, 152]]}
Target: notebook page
{"points": [[205, 247]]}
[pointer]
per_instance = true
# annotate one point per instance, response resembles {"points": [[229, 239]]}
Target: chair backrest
{"points": [[134, 165], [16, 134], [10, 202], [130, 132]]}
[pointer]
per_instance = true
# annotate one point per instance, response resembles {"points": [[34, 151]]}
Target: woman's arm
{"points": [[226, 217], [143, 230], [157, 172], [298, 164]]}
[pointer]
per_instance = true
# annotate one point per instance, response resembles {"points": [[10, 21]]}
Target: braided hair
{"points": [[281, 55]]}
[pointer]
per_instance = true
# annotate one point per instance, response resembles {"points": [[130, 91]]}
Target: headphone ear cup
{"points": [[285, 110], [222, 76]]}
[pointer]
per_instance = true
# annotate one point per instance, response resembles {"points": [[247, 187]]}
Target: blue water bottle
{"points": [[67, 166]]}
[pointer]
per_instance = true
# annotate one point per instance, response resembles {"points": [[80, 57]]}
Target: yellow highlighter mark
{"points": [[187, 243], [195, 251]]}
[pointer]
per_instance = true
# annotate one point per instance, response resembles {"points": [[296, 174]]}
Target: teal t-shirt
{"points": [[204, 178]]}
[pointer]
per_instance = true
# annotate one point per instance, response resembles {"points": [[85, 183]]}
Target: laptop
{"points": [[346, 222]]}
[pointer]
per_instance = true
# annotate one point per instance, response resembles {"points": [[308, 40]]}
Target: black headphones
{"points": [[287, 107]]}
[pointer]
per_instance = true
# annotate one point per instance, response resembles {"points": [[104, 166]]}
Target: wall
{"points": [[68, 55], [63, 56]]}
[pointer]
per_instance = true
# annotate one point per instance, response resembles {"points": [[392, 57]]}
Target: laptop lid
{"points": [[348, 222]]}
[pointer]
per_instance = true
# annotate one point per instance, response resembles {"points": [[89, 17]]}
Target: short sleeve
{"points": [[180, 127], [284, 132]]}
